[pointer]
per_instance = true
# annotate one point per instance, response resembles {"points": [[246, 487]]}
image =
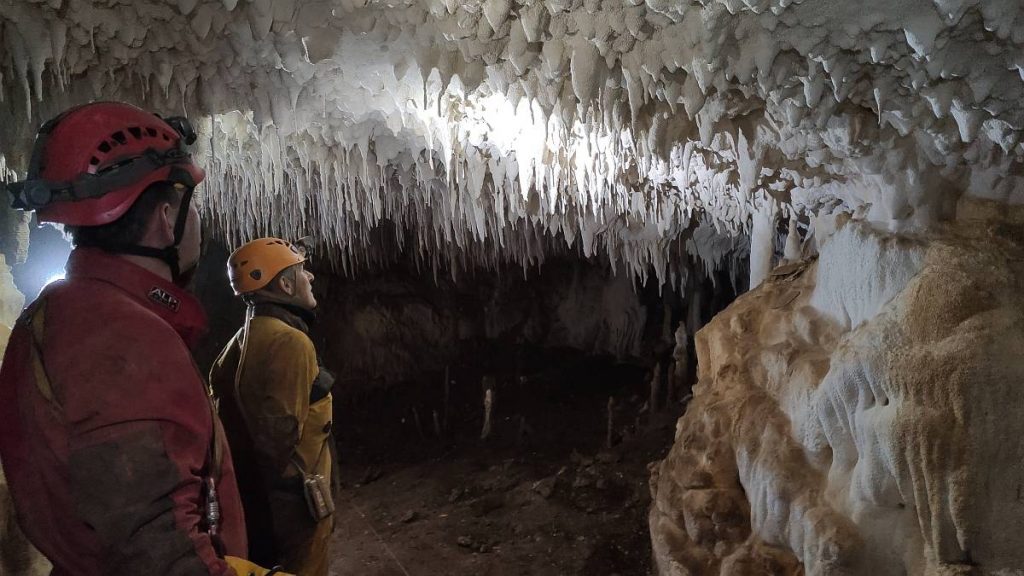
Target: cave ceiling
{"points": [[500, 131]]}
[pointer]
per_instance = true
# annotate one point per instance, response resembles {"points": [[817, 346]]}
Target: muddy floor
{"points": [[542, 495]]}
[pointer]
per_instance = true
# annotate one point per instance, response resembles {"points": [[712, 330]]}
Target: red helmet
{"points": [[91, 163]]}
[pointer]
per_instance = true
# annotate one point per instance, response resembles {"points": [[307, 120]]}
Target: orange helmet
{"points": [[256, 263]]}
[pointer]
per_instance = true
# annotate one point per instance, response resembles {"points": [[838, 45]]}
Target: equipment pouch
{"points": [[318, 496], [316, 488]]}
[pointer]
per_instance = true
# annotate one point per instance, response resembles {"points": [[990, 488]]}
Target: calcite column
{"points": [[762, 241]]}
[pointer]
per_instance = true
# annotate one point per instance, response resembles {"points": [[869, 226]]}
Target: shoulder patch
{"points": [[164, 298]]}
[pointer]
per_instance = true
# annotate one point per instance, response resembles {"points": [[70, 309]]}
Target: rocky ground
{"points": [[558, 503]]}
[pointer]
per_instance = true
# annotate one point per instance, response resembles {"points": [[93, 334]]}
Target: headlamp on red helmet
{"points": [[91, 163]]}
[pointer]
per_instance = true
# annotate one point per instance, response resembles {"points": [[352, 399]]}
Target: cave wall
{"points": [[398, 324], [859, 413], [17, 556]]}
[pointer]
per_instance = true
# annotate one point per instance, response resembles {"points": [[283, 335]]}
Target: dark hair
{"points": [[131, 227]]}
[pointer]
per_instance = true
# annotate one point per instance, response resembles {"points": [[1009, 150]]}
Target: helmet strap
{"points": [[179, 276], [169, 254]]}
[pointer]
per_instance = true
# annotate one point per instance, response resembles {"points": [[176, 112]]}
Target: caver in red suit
{"points": [[108, 439], [108, 475]]}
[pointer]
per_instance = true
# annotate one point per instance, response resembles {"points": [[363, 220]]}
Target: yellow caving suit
{"points": [[280, 412]]}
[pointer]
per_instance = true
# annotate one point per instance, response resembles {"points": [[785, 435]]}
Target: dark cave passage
{"points": [[575, 359], [547, 404]]}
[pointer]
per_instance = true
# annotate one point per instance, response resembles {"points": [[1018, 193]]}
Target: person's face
{"points": [[304, 288]]}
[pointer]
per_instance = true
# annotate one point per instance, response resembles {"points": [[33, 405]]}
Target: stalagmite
{"points": [[525, 432], [792, 251], [485, 433], [447, 396], [670, 389], [762, 241], [654, 402], [438, 431], [680, 357], [610, 430], [419, 424]]}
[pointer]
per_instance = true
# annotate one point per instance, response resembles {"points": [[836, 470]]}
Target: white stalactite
{"points": [[493, 125]]}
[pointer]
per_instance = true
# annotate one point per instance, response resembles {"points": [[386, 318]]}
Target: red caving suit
{"points": [[107, 473]]}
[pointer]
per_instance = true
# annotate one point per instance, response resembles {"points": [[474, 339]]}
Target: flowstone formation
{"points": [[858, 414]]}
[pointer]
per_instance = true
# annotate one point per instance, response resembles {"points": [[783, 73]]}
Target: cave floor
{"points": [[553, 508]]}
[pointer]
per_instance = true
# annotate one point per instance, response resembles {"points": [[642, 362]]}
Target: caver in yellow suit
{"points": [[275, 402]]}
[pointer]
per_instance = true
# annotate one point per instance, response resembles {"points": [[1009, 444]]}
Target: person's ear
{"points": [[285, 285], [165, 218]]}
